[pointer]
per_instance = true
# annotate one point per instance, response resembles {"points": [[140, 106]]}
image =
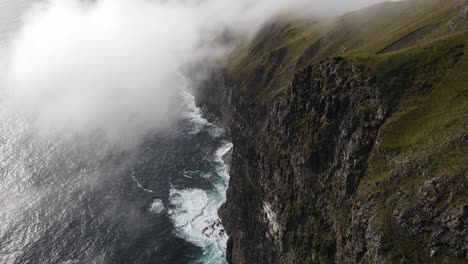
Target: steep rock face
{"points": [[297, 162], [215, 97], [361, 158], [302, 164], [295, 194]]}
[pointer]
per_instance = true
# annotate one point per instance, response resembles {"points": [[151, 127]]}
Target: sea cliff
{"points": [[350, 137]]}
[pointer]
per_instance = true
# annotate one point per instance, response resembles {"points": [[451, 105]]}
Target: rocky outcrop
{"points": [[299, 162], [464, 10], [412, 38], [461, 20], [215, 96], [356, 160]]}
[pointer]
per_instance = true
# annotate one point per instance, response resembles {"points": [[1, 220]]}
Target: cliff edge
{"points": [[350, 137]]}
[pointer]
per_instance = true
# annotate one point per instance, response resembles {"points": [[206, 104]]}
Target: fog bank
{"points": [[111, 67]]}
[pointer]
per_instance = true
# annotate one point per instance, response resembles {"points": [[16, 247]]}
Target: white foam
{"points": [[223, 168], [139, 185], [194, 212], [195, 217], [71, 261], [192, 112], [157, 206]]}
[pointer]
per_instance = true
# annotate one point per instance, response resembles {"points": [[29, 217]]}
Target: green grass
{"points": [[436, 97], [419, 131], [289, 38], [256, 68], [428, 80]]}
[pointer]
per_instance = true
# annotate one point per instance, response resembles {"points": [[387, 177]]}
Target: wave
{"points": [[194, 211], [194, 113], [139, 185], [157, 206]]}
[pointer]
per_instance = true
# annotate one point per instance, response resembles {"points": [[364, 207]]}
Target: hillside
{"points": [[350, 137], [288, 45]]}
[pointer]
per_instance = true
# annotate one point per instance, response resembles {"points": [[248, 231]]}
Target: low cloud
{"points": [[111, 66]]}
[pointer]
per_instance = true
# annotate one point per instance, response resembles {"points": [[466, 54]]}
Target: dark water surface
{"points": [[69, 202], [76, 200]]}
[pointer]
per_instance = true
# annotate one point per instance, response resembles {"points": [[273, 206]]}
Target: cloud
{"points": [[111, 66]]}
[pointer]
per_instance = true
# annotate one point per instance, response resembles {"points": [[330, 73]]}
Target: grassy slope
{"points": [[422, 139], [430, 116], [362, 32]]}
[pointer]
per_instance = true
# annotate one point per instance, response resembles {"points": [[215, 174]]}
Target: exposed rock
{"points": [[296, 165], [464, 12], [346, 164], [464, 212], [464, 9], [451, 25], [305, 143], [412, 38]]}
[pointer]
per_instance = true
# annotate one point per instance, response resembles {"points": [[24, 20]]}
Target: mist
{"points": [[112, 67], [83, 84]]}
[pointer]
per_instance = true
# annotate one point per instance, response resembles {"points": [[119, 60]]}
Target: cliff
{"points": [[350, 138]]}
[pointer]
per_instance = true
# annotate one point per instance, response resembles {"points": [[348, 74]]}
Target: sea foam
{"points": [[194, 212], [157, 206]]}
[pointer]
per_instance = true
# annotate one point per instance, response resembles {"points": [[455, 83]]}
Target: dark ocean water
{"points": [[72, 199], [74, 202]]}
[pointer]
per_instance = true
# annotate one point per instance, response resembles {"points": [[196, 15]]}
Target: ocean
{"points": [[73, 200]]}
